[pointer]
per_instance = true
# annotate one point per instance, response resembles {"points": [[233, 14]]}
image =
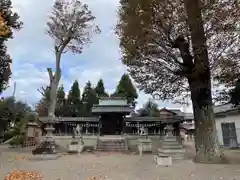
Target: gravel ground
{"points": [[114, 166]]}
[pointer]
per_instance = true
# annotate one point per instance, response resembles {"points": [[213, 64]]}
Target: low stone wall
{"points": [[92, 141], [64, 141]]}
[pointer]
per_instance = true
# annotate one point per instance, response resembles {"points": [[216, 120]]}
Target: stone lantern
{"points": [[33, 130]]}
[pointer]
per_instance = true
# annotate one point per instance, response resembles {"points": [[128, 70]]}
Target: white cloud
{"points": [[28, 79]]}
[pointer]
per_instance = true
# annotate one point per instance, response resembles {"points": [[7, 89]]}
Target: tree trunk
{"points": [[206, 142], [54, 81], [53, 98]]}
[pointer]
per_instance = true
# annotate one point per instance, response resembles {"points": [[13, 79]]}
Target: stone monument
{"points": [[78, 130], [145, 144], [142, 131], [75, 146]]}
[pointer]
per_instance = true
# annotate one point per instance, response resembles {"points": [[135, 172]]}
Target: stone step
{"points": [[164, 151], [177, 146], [111, 148], [111, 144], [113, 140], [171, 145], [170, 142], [101, 145], [117, 145], [169, 139], [175, 156]]}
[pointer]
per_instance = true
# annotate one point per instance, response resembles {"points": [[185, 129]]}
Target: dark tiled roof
{"points": [[112, 98], [116, 108], [224, 108], [69, 119], [168, 110], [188, 116], [156, 119], [176, 111]]}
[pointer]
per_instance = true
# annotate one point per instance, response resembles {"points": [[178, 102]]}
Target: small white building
{"points": [[227, 118]]}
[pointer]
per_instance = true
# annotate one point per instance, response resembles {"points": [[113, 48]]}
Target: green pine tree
{"points": [[149, 109], [61, 102], [89, 98], [100, 89], [74, 100], [125, 88]]}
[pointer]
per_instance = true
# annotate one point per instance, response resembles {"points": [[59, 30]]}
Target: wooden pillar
{"points": [[177, 130], [138, 128], [99, 127], [123, 125], [162, 133], [65, 129], [86, 130]]}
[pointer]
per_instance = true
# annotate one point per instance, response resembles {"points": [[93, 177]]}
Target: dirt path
{"points": [[114, 166]]}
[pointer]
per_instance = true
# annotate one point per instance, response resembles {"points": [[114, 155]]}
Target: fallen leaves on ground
{"points": [[17, 158], [92, 178], [95, 178], [23, 175]]}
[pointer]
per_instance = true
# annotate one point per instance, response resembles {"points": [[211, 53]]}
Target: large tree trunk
{"points": [[54, 81], [206, 142], [53, 98]]}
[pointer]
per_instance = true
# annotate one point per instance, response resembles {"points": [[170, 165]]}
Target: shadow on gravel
{"points": [[232, 155], [6, 148]]}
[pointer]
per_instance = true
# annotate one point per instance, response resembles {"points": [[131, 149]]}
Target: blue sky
{"points": [[31, 53]]}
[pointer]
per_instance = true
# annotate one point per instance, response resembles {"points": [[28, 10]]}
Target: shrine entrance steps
{"points": [[112, 144]]}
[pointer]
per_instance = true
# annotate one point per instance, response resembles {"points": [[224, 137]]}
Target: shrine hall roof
{"points": [[155, 119], [112, 108], [70, 119]]}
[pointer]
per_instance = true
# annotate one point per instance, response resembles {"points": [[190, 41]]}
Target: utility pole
{"points": [[14, 104], [14, 90]]}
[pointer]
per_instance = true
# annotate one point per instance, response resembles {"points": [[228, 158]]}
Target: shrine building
{"points": [[114, 116]]}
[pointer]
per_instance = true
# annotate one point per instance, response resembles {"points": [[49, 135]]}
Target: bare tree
{"points": [[174, 47], [71, 27]]}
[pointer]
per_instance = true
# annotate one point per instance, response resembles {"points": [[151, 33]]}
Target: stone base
{"points": [[145, 145], [47, 147], [163, 160], [75, 147], [175, 154]]}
